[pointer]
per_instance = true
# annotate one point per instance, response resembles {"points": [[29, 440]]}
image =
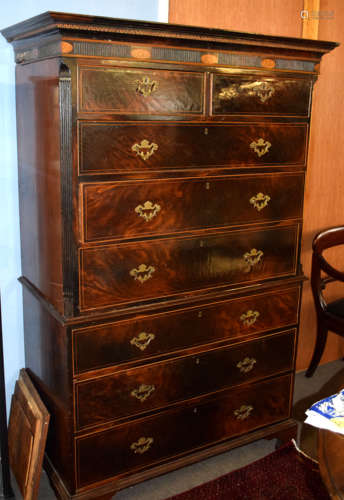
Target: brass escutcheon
{"points": [[260, 200], [144, 149], [146, 86], [143, 392], [148, 210], [228, 93], [142, 273], [260, 147], [249, 317], [264, 91], [142, 340], [246, 365], [243, 412], [142, 445], [253, 257]]}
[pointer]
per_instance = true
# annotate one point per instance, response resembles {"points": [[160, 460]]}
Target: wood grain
{"points": [[140, 91], [39, 177], [28, 427], [108, 147], [159, 384], [103, 455], [151, 336], [127, 273], [119, 210], [323, 198]]}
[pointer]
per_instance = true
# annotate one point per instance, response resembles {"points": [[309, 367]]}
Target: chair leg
{"points": [[318, 349]]}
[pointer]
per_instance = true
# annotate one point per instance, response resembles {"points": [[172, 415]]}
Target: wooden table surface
{"points": [[331, 462]]}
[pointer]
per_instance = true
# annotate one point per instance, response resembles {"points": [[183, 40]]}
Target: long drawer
{"points": [[128, 209], [260, 95], [145, 91], [107, 147], [104, 345], [116, 274], [148, 441], [154, 386]]}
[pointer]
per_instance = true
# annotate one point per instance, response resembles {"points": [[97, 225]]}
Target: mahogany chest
{"points": [[161, 172]]}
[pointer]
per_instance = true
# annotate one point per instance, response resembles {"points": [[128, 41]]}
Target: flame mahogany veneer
{"points": [[161, 172]]}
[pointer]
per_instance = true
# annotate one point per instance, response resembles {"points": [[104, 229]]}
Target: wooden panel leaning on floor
{"points": [[161, 177]]}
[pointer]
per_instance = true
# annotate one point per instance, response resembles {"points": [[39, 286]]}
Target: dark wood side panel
{"points": [[145, 337], [111, 147], [261, 95], [118, 210], [146, 91], [123, 273], [135, 391], [39, 177], [139, 444], [48, 361]]}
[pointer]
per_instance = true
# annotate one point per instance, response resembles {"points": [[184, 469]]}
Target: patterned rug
{"points": [[286, 474]]}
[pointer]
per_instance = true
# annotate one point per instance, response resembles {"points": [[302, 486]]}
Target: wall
{"points": [[14, 12], [324, 200], [275, 17], [325, 179]]}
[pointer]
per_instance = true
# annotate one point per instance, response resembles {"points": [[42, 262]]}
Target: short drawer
{"points": [[146, 91], [145, 337], [146, 442], [117, 274], [131, 147], [260, 95], [160, 384], [128, 209]]}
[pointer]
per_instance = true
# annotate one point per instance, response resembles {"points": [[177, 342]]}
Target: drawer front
{"points": [[234, 94], [124, 210], [117, 147], [155, 386], [108, 344], [117, 274], [119, 90], [145, 442]]}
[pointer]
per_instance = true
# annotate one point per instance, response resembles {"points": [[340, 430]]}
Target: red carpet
{"points": [[285, 474]]}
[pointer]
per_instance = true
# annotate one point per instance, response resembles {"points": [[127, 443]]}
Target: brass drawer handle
{"points": [[264, 91], [246, 365], [143, 392], [249, 317], [228, 93], [142, 445], [253, 257], [142, 340], [260, 201], [142, 273], [145, 149], [260, 146], [243, 412], [146, 86], [148, 210]]}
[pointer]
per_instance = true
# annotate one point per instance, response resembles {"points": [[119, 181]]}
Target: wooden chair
{"points": [[330, 316]]}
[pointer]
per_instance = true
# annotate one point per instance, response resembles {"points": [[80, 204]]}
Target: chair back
{"points": [[326, 239]]}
